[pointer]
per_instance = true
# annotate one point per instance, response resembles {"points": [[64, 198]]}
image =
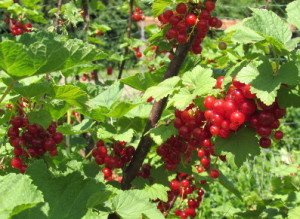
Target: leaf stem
{"points": [[7, 90]]}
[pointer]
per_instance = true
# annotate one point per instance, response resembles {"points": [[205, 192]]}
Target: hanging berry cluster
{"points": [[31, 141], [138, 15], [18, 27], [223, 116], [239, 107], [190, 193], [186, 18], [119, 156]]}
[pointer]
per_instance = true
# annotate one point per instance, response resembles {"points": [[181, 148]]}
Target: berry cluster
{"points": [[119, 156], [191, 195], [180, 24], [193, 134], [239, 107], [138, 54], [138, 15], [18, 28], [31, 141]]}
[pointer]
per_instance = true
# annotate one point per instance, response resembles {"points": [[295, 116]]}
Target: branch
{"points": [[156, 112], [128, 36], [56, 24], [268, 2], [86, 16]]}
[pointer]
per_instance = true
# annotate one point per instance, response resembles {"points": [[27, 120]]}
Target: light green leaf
{"points": [[33, 90], [159, 6], [199, 80], [71, 94], [123, 205], [182, 99], [157, 191], [19, 197], [270, 26], [72, 13], [30, 3], [119, 109], [6, 3], [68, 129], [293, 13], [244, 34], [242, 145], [294, 213], [108, 97], [163, 89], [106, 131], [142, 81], [162, 133], [258, 74], [41, 117]]}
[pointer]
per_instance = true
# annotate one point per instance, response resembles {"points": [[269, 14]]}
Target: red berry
{"points": [[107, 172], [278, 135], [181, 8], [138, 54], [58, 137], [237, 118], [214, 173], [209, 102], [264, 131], [236, 83], [191, 19], [265, 142], [201, 153], [185, 183], [109, 70], [16, 162], [205, 161], [174, 185], [210, 5], [219, 82]]}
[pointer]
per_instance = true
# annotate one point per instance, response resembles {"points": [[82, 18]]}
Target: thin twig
{"points": [[128, 36], [268, 2], [56, 24], [86, 16]]}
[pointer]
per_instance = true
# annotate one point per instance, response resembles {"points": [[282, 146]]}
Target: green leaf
{"points": [[57, 108], [162, 133], [242, 145], [229, 185], [142, 81], [294, 213], [71, 94], [258, 74], [33, 90], [65, 196], [293, 13], [68, 129], [199, 80], [157, 191], [270, 26], [244, 34], [163, 89], [30, 3], [287, 98], [119, 109], [43, 52], [106, 131], [159, 6], [41, 117], [182, 99], [72, 13], [19, 197], [108, 97], [6, 3], [133, 204]]}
